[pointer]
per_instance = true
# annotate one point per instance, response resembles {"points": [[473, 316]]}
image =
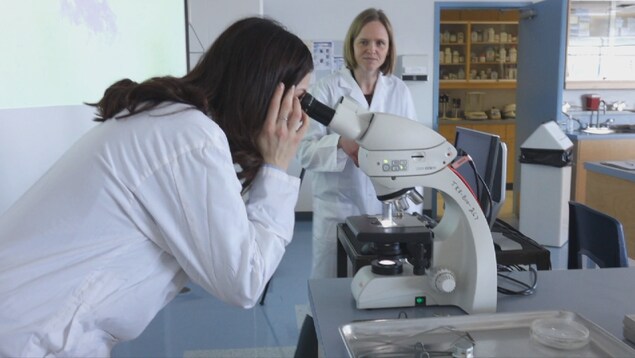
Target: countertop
{"points": [[484, 121], [578, 135], [603, 296], [600, 168]]}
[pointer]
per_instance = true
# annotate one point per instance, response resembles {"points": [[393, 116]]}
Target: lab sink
{"points": [[623, 128]]}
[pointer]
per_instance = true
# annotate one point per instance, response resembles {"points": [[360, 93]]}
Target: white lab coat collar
{"points": [[347, 81]]}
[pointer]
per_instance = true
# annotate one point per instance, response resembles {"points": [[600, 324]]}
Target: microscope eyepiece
{"points": [[317, 110]]}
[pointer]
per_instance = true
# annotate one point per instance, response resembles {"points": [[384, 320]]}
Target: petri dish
{"points": [[560, 333]]}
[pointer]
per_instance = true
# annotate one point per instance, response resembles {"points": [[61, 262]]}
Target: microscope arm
{"points": [[390, 146], [398, 153]]}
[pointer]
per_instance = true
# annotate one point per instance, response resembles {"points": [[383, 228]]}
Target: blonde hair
{"points": [[358, 23]]}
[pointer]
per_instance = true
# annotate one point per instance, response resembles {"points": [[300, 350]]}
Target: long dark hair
{"points": [[233, 83]]}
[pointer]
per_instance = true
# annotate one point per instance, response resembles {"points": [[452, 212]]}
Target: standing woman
{"points": [[340, 188], [150, 198]]}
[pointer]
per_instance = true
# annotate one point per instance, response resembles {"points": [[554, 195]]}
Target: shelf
{"points": [[494, 63], [477, 84], [515, 43], [492, 40]]}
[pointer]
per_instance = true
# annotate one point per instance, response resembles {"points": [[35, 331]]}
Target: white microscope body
{"points": [[398, 153]]}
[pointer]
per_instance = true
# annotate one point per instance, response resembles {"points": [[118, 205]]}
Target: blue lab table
{"points": [[603, 296]]}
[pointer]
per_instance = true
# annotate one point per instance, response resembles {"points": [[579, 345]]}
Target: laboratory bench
{"points": [[603, 296], [612, 190], [595, 148]]}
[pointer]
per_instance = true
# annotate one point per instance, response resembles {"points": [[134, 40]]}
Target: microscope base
{"points": [[404, 290]]}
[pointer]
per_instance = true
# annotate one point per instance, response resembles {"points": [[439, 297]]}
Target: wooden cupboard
{"points": [[595, 150], [478, 54]]}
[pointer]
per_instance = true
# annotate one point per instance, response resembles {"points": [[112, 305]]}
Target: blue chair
{"points": [[596, 235]]}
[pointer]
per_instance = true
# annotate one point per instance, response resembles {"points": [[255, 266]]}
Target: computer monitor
{"points": [[489, 155]]}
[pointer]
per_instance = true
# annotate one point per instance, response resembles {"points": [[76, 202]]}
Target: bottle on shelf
{"points": [[448, 55], [503, 54], [490, 55], [513, 55]]}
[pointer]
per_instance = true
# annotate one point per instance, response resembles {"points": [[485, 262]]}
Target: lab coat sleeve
{"points": [[318, 149], [229, 247]]}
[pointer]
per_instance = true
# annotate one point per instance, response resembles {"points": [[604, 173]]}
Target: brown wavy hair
{"points": [[232, 83]]}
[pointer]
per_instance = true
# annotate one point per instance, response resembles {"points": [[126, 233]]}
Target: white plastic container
{"points": [[545, 189]]}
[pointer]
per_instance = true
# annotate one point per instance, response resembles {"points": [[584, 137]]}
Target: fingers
{"points": [[291, 117], [274, 108], [286, 106], [295, 112]]}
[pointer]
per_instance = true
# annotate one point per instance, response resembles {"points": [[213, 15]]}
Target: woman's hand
{"points": [[285, 125], [350, 147]]}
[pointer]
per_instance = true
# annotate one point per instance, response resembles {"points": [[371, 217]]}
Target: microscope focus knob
{"points": [[443, 280]]}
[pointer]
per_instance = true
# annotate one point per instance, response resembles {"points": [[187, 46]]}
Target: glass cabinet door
{"points": [[601, 45], [452, 55]]}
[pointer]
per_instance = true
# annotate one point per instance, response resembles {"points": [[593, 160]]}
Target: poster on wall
{"points": [[327, 57]]}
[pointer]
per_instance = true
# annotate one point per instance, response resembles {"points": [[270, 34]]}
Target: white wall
{"points": [[46, 132], [208, 18], [31, 140], [413, 25], [412, 22]]}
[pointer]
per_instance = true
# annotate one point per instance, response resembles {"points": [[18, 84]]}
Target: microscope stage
{"points": [[368, 228]]}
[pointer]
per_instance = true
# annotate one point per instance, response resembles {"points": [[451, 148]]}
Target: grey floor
{"points": [[270, 330]]}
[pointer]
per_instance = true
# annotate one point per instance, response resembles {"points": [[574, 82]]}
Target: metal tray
{"points": [[494, 335]]}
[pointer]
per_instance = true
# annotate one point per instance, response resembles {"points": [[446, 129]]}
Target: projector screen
{"points": [[66, 52], [58, 54]]}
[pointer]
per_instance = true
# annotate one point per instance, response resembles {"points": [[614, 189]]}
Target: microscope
{"points": [[419, 263]]}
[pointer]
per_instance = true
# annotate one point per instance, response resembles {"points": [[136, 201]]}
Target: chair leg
{"points": [[264, 293], [307, 341]]}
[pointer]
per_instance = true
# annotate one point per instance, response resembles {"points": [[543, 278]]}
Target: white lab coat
{"points": [[340, 189], [113, 231]]}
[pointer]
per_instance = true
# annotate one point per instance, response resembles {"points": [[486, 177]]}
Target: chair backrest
{"points": [[596, 235]]}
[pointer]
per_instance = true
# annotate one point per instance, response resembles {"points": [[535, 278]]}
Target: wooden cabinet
{"points": [[478, 54], [505, 129], [479, 15], [595, 150], [453, 53], [616, 197]]}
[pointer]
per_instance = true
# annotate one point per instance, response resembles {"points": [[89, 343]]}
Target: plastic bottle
{"points": [[513, 55], [490, 55], [503, 54], [446, 36], [455, 56], [491, 34]]}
